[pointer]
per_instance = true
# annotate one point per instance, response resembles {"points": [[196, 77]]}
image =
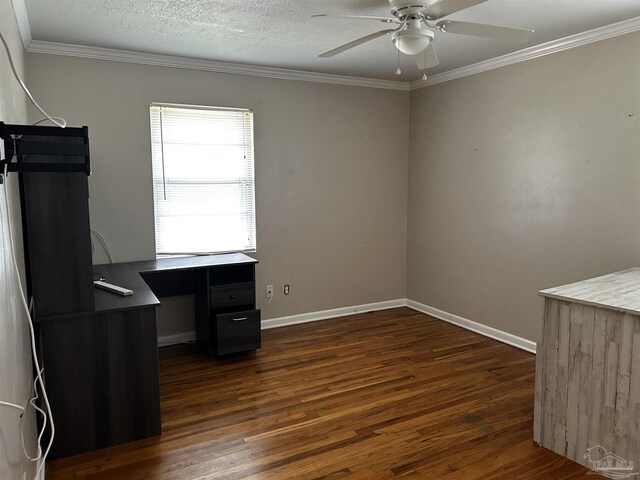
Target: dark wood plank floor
{"points": [[373, 396]]}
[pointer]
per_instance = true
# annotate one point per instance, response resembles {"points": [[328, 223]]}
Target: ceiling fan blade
{"points": [[447, 7], [355, 43], [487, 31], [428, 58], [359, 17]]}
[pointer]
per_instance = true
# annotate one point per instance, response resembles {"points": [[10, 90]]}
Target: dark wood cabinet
{"points": [[234, 296], [226, 317], [102, 366], [101, 373], [236, 332], [57, 237], [222, 284], [99, 350], [101, 369], [234, 323]]}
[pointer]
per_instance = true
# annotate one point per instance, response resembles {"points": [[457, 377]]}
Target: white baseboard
{"points": [[166, 340], [185, 337], [333, 313], [504, 337]]}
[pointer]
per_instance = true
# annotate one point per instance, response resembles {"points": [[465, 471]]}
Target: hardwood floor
{"points": [[393, 394]]}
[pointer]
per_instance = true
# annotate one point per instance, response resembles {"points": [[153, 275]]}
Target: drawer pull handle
{"points": [[239, 319]]}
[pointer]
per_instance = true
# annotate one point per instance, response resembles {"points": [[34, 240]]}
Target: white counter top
{"points": [[615, 291]]}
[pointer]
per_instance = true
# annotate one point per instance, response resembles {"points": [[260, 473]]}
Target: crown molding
{"points": [[126, 56], [554, 46], [20, 10], [70, 50]]}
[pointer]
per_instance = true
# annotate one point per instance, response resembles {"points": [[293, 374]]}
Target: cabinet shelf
{"points": [[232, 274]]}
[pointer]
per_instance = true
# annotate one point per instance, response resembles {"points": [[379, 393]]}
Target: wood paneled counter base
{"points": [[588, 369]]}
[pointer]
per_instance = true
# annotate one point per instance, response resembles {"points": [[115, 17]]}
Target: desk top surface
{"points": [[615, 291], [187, 263], [127, 275]]}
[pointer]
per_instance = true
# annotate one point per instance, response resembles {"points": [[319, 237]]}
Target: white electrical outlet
{"points": [[269, 291]]}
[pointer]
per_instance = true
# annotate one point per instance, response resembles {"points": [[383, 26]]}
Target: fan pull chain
{"points": [[398, 71], [424, 75]]}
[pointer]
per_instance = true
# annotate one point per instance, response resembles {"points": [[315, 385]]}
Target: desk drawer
{"points": [[237, 332], [237, 295]]}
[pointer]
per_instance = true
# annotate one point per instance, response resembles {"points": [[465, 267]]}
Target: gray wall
{"points": [[15, 353], [331, 174], [524, 177], [520, 178]]}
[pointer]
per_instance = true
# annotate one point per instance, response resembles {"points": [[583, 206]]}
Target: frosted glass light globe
{"points": [[412, 41], [412, 44]]}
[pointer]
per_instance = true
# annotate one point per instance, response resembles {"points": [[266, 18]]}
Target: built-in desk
{"points": [[101, 366]]}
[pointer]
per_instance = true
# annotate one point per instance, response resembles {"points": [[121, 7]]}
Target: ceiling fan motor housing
{"points": [[413, 39], [403, 9]]}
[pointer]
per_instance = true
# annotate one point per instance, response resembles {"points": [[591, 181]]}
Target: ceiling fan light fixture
{"points": [[412, 41]]}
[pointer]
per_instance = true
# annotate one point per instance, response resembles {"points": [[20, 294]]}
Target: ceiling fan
{"points": [[414, 24]]}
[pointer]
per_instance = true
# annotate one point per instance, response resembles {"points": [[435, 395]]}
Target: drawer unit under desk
{"points": [[234, 323], [236, 332], [225, 297]]}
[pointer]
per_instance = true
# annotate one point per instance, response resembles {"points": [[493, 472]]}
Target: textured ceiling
{"points": [[280, 33]]}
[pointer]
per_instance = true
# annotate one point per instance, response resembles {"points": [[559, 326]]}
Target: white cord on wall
{"points": [[22, 411], [104, 245], [12, 405], [33, 403], [60, 122], [38, 380]]}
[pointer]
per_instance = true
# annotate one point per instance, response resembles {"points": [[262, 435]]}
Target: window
{"points": [[203, 180]]}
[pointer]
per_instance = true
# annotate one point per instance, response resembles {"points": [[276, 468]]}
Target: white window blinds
{"points": [[203, 179]]}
